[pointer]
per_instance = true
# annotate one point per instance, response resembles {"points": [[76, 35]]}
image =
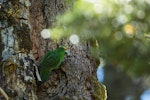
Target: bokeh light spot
{"points": [[141, 14], [139, 35], [98, 8], [124, 1], [129, 29], [91, 1], [118, 35], [122, 19], [45, 34], [74, 39], [128, 9]]}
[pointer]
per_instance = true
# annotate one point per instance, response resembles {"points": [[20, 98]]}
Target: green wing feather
{"points": [[47, 54], [51, 61]]}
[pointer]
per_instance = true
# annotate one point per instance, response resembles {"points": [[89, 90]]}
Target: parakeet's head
{"points": [[63, 48]]}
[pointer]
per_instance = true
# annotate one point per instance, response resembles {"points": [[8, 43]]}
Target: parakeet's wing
{"points": [[47, 54], [50, 62]]}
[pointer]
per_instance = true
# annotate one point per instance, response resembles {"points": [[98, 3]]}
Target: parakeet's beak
{"points": [[64, 48]]}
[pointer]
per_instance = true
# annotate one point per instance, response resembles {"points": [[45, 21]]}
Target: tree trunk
{"points": [[22, 47]]}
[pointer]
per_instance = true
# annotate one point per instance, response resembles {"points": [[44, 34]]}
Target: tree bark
{"points": [[22, 47], [17, 67]]}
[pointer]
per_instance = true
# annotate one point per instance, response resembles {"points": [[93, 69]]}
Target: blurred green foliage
{"points": [[121, 28]]}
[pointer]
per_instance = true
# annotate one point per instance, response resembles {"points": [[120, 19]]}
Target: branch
{"points": [[4, 93]]}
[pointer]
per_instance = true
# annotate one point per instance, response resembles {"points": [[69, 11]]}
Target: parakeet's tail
{"points": [[44, 75]]}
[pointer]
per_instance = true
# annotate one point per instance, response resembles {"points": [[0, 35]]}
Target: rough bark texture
{"points": [[16, 68], [75, 80]]}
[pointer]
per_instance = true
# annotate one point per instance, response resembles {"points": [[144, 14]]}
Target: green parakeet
{"points": [[51, 61]]}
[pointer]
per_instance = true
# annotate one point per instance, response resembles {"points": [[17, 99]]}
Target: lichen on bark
{"points": [[16, 15], [22, 32], [16, 69], [2, 47]]}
